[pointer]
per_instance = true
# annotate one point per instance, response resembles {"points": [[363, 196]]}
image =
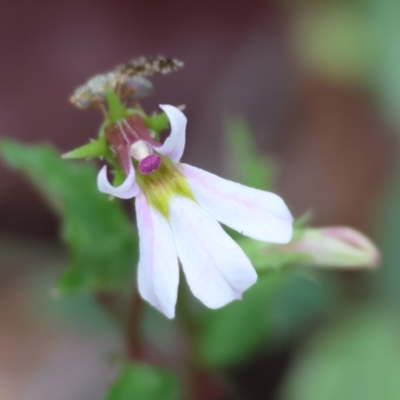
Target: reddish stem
{"points": [[133, 333]]}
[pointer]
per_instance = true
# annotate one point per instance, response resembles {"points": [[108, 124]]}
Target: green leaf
{"points": [[356, 357], [102, 242], [229, 334], [143, 382], [251, 168]]}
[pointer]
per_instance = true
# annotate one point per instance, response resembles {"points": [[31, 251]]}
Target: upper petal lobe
{"points": [[255, 213]]}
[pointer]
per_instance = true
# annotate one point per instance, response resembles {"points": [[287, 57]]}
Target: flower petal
{"points": [[216, 268], [255, 213], [126, 190], [174, 145], [158, 270]]}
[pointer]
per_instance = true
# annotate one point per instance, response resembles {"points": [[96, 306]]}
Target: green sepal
{"points": [[267, 256], [116, 110], [303, 221], [95, 148], [157, 122]]}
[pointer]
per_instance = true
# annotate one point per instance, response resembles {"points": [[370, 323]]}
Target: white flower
{"points": [[178, 208]]}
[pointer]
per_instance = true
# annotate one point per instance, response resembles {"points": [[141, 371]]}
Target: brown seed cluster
{"points": [[127, 80], [150, 65]]}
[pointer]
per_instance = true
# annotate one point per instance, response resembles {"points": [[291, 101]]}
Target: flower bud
{"points": [[339, 247]]}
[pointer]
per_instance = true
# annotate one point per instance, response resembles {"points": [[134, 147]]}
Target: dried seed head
{"points": [[127, 80], [150, 65]]}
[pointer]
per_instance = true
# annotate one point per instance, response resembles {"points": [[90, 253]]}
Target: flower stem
{"points": [[133, 335], [113, 304], [127, 314], [189, 325]]}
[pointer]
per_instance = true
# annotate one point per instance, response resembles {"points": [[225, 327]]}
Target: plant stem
{"points": [[113, 304], [133, 335], [189, 325], [127, 314]]}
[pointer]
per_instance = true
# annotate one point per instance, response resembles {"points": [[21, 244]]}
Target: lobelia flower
{"points": [[178, 208]]}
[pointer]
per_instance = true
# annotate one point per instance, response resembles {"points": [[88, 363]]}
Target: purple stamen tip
{"points": [[149, 164]]}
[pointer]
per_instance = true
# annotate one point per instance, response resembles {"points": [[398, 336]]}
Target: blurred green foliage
{"points": [[353, 42], [229, 334], [143, 382], [338, 41], [102, 242], [387, 282], [356, 357], [301, 301], [249, 166], [276, 308]]}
